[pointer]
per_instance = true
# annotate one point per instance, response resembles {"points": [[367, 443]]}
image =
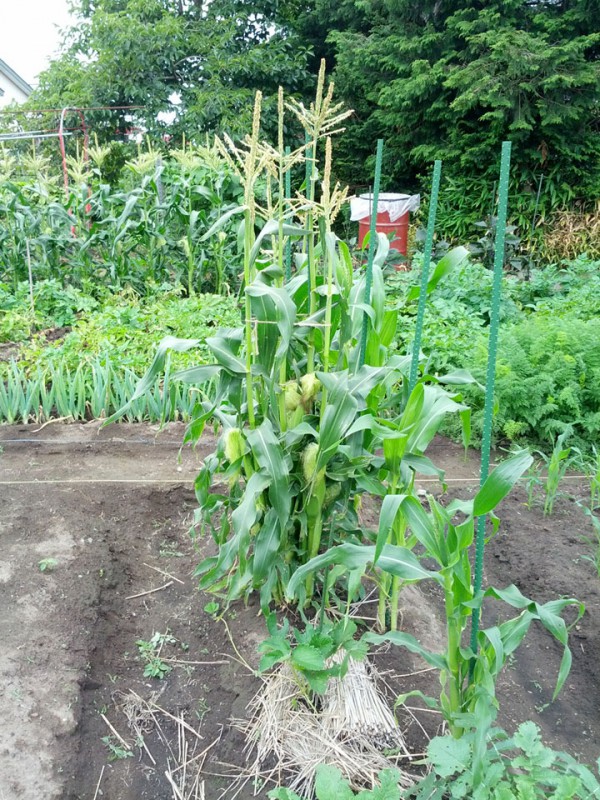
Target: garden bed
{"points": [[113, 507]]}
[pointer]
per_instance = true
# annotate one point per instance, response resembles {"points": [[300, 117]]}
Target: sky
{"points": [[29, 34]]}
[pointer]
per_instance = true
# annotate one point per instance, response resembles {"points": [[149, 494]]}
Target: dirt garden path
{"points": [[112, 508]]}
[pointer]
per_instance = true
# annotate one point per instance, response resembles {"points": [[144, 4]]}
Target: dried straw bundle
{"points": [[570, 233], [183, 768], [289, 735]]}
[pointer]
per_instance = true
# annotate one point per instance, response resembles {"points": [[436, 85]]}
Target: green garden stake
{"points": [[308, 161], [537, 205], [307, 192], [288, 244], [491, 375], [416, 349], [372, 250]]}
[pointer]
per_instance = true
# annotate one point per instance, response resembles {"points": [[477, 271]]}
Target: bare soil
{"points": [[113, 508]]}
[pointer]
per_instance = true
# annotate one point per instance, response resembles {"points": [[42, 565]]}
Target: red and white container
{"points": [[393, 215]]}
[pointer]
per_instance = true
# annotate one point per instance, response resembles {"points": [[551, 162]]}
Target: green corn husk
{"points": [[309, 462], [234, 445], [293, 398], [310, 386], [332, 492]]}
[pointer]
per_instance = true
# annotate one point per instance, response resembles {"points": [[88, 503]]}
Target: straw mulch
{"points": [[351, 727]]}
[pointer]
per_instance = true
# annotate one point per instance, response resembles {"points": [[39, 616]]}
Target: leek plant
{"points": [[91, 391]]}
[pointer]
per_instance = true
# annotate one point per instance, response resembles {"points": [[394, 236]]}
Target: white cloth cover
{"points": [[395, 204]]}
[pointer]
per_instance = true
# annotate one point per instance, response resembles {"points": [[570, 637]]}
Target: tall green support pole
{"points": [[433, 202], [491, 373], [308, 162], [288, 244], [372, 251], [308, 189]]}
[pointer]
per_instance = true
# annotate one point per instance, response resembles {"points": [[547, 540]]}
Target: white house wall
{"points": [[11, 92]]}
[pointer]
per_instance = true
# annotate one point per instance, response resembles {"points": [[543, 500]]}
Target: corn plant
{"points": [[592, 540], [590, 466], [301, 417], [148, 228], [468, 679], [557, 463]]}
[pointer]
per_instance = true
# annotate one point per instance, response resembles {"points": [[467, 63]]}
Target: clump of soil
{"points": [[8, 351], [55, 334]]}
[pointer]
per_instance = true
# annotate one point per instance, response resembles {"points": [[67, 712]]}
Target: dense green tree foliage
{"points": [[192, 66], [451, 78], [436, 78]]}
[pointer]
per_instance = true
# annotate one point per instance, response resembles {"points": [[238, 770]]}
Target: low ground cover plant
{"points": [[50, 305], [517, 766], [513, 767], [93, 369], [548, 358], [127, 328], [330, 784]]}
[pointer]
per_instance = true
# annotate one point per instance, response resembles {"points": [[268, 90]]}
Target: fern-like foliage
{"points": [[548, 378]]}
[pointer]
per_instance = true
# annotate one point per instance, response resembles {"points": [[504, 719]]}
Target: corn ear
{"points": [[234, 445]]}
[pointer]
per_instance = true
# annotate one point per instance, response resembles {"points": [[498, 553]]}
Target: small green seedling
{"points": [[556, 465], [533, 481], [150, 653], [47, 564], [212, 609], [202, 709], [116, 751]]}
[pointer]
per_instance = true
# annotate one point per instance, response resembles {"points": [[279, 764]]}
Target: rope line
{"points": [[67, 481]]}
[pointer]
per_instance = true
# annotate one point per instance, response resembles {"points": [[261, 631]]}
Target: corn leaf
{"points": [[269, 455], [387, 516], [223, 219], [513, 631], [500, 482], [266, 546], [452, 259], [271, 228], [339, 415], [273, 307], [199, 374], [397, 561], [411, 644], [224, 348], [155, 369]]}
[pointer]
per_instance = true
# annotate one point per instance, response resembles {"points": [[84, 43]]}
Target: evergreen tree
{"points": [[450, 79], [443, 79]]}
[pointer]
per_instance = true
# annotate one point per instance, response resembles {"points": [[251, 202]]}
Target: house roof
{"points": [[15, 78]]}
